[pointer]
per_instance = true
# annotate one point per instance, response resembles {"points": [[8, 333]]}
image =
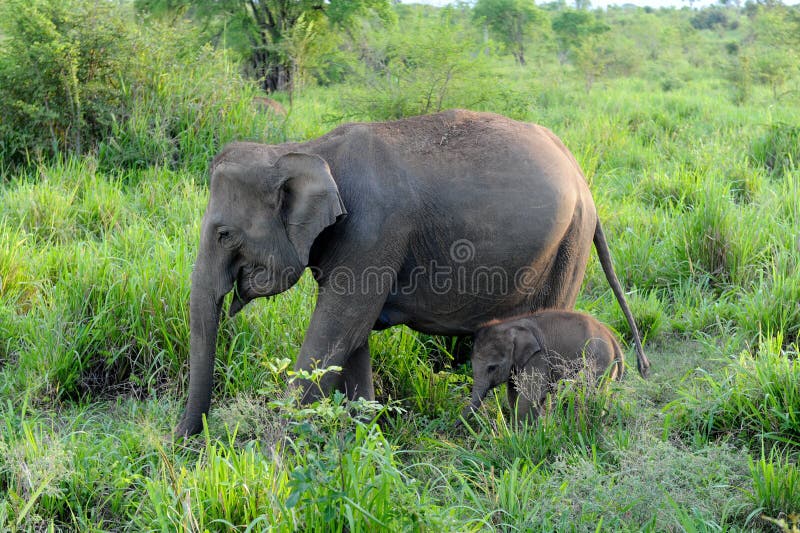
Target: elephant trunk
{"points": [[204, 314]]}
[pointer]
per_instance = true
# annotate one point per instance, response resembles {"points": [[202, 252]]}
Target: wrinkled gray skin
{"points": [[540, 350], [395, 221]]}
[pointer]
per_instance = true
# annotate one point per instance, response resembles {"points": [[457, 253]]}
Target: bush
{"points": [[17, 288], [425, 71], [82, 76], [181, 110], [649, 312], [327, 471], [711, 238], [774, 308], [59, 75]]}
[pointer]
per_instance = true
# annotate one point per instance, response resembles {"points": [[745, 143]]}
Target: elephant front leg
{"points": [[338, 336], [522, 409], [527, 391], [357, 374]]}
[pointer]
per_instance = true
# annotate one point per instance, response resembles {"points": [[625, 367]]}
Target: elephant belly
{"points": [[452, 312], [489, 279]]}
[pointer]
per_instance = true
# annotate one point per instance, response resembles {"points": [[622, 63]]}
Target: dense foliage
{"points": [[275, 37], [687, 125]]}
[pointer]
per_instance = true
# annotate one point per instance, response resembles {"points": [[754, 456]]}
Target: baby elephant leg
{"points": [[527, 391]]}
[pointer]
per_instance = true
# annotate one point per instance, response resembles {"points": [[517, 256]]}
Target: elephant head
{"points": [[256, 236], [498, 351]]}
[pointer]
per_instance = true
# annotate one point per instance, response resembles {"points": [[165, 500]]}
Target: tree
{"points": [[578, 35], [593, 58], [770, 54], [709, 18], [512, 22], [428, 62], [574, 29], [272, 34]]}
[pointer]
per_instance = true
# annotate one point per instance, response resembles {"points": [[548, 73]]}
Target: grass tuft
{"points": [[778, 149], [754, 400], [776, 485]]}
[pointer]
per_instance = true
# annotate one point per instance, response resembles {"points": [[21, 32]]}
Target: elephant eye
{"points": [[227, 238], [491, 369]]}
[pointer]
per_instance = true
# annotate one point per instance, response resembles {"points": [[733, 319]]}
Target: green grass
{"points": [[698, 190], [757, 397]]}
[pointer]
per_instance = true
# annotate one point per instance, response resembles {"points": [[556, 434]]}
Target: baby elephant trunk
{"points": [[479, 391]]}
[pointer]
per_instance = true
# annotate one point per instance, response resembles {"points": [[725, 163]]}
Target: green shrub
{"points": [[709, 234], [404, 370], [83, 76], [182, 107], [649, 312], [60, 85], [680, 190], [709, 18], [744, 182], [726, 244], [102, 296], [79, 471], [643, 251], [774, 307], [424, 70], [18, 288], [35, 466]]}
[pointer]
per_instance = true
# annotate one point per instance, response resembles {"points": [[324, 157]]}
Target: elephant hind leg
{"points": [[357, 374], [568, 268]]}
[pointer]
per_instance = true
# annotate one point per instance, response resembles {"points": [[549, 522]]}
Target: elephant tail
{"points": [[604, 255]]}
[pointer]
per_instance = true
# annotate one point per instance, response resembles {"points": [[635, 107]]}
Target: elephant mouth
{"points": [[237, 304], [251, 283]]}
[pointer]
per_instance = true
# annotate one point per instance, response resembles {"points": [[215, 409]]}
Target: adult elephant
{"points": [[440, 222]]}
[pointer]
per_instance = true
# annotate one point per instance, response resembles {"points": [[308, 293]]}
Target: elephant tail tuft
{"points": [[604, 255]]}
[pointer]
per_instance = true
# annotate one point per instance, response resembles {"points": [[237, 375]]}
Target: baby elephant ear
{"points": [[311, 200], [525, 346]]}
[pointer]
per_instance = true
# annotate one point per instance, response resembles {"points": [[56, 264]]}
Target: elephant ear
{"points": [[311, 200], [525, 345]]}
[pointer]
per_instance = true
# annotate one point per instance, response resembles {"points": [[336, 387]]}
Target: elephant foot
{"points": [[187, 428]]}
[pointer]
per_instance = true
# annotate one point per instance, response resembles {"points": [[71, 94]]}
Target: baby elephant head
{"points": [[498, 350]]}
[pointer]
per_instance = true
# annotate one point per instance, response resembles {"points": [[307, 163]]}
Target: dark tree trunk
{"points": [[272, 75], [269, 66]]}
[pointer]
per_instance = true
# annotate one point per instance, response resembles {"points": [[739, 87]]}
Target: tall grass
{"points": [[325, 471], [755, 398], [776, 486], [777, 148]]}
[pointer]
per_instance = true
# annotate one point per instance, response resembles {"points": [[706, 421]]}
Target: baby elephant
{"points": [[539, 350]]}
